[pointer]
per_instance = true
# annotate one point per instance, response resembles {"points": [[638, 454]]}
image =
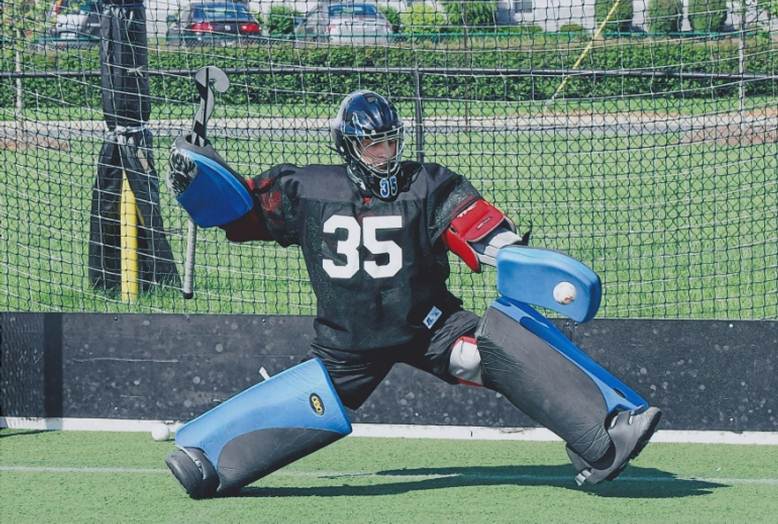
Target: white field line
{"points": [[399, 476], [404, 431]]}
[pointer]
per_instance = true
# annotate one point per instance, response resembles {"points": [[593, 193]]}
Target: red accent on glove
{"points": [[472, 225]]}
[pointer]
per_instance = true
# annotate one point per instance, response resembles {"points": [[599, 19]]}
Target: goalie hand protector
{"points": [[479, 232], [205, 186]]}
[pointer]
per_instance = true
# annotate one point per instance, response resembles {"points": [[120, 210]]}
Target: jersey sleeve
{"points": [[277, 194], [250, 226], [450, 194]]}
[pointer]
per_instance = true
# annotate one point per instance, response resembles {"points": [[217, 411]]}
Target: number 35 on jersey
{"points": [[364, 235]]}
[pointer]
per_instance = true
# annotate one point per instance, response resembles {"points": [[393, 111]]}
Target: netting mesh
{"points": [[640, 138]]}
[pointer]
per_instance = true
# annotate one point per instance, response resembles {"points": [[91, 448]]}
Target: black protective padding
{"points": [[130, 154], [124, 64], [541, 382], [126, 149], [253, 455]]}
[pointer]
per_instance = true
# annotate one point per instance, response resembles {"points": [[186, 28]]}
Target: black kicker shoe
{"points": [[194, 471], [629, 433]]}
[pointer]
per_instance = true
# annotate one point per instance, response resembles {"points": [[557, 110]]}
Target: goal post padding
{"points": [[127, 153]]}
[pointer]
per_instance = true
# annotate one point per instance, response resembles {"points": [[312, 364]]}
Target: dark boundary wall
{"points": [[705, 375]]}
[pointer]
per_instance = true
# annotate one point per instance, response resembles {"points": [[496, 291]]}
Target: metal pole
{"points": [[19, 91], [419, 117], [741, 56]]}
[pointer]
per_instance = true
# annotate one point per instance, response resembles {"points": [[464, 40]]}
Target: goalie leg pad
{"points": [[260, 430], [529, 361]]}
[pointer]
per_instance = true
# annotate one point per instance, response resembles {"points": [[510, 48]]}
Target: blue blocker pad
{"points": [[530, 275], [541, 372], [216, 196], [261, 429]]}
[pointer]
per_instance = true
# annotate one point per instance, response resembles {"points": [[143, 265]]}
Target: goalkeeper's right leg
{"points": [[259, 430], [521, 355], [527, 359]]}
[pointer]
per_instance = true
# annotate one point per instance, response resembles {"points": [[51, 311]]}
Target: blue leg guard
{"points": [[527, 359], [258, 431]]}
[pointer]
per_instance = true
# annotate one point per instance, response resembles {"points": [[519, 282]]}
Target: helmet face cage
{"points": [[366, 122], [380, 177]]}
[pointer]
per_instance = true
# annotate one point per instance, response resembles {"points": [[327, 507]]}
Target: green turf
{"points": [[432, 108], [387, 480]]}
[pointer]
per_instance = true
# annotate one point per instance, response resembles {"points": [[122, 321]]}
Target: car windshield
{"points": [[220, 12], [353, 10]]}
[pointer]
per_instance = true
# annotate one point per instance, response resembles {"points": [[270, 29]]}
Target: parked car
{"points": [[345, 23], [75, 20], [213, 22]]}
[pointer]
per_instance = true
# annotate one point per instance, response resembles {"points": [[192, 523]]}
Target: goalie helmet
{"points": [[369, 134]]}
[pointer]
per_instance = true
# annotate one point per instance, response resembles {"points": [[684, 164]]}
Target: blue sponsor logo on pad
{"points": [[432, 317]]}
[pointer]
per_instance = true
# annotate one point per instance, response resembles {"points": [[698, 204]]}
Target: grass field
{"points": [[121, 477], [675, 229], [669, 106]]}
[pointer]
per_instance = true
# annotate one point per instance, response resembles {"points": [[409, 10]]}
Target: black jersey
{"points": [[378, 269]]}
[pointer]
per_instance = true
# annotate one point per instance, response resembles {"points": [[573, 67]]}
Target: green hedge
{"points": [[571, 28], [719, 56]]}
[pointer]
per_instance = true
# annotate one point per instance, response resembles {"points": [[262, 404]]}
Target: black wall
{"points": [[703, 374]]}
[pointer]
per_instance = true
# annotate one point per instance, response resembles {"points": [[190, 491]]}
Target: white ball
{"points": [[564, 293], [160, 432]]}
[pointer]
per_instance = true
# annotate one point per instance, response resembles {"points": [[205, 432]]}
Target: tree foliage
{"points": [[393, 17], [477, 13], [664, 16], [620, 21], [22, 17], [771, 6], [423, 18], [280, 20], [707, 16]]}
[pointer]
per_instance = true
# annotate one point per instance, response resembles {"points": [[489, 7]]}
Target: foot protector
{"points": [[629, 434], [194, 471]]}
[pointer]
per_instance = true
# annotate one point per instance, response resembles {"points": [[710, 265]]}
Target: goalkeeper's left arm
{"points": [[252, 225]]}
